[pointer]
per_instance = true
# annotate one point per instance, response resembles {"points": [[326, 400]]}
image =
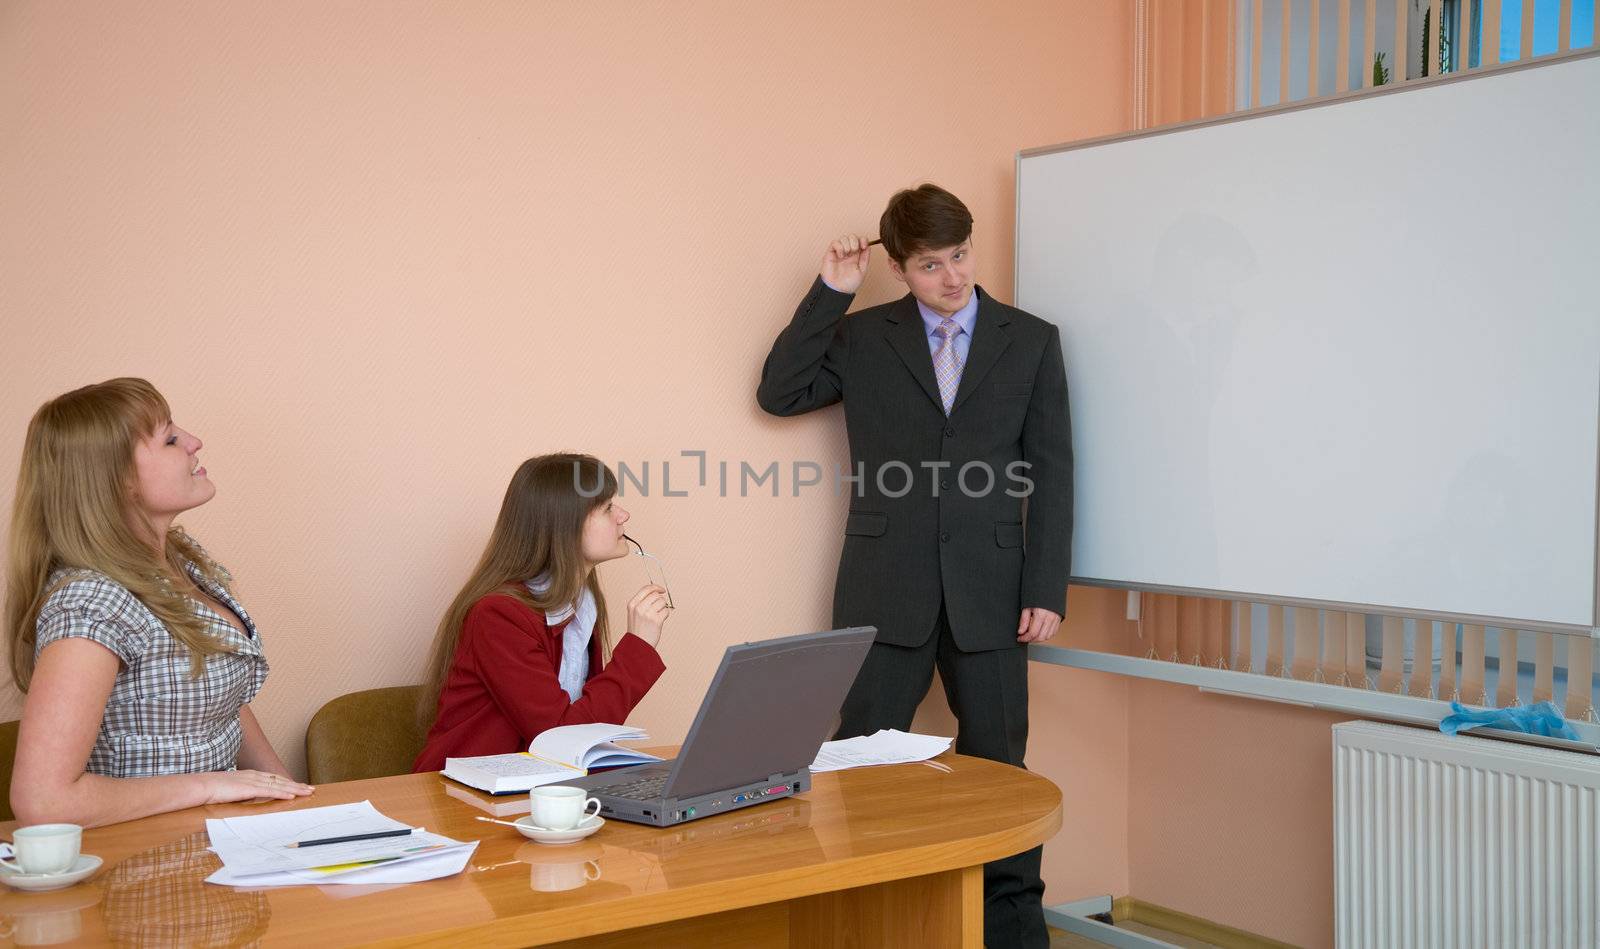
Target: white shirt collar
{"points": [[574, 671]]}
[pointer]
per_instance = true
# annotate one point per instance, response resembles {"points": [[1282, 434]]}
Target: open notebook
{"points": [[560, 754]]}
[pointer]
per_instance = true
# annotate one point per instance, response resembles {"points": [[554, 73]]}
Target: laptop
{"points": [[768, 710]]}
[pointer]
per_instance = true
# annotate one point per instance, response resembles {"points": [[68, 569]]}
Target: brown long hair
{"points": [[72, 509], [539, 531]]}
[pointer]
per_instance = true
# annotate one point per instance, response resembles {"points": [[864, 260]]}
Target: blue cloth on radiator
{"points": [[1541, 719]]}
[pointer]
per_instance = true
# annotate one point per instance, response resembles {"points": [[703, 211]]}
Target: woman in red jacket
{"points": [[524, 646]]}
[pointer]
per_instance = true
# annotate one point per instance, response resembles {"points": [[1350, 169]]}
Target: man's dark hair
{"points": [[923, 218]]}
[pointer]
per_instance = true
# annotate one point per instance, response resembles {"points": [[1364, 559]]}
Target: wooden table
{"points": [[887, 856]]}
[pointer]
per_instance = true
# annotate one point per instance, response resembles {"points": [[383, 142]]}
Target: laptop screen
{"points": [[769, 708]]}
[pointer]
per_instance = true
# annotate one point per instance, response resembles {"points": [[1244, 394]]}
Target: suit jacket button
{"points": [[944, 537], [949, 431], [944, 485]]}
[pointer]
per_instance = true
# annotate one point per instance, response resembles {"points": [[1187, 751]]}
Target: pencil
{"points": [[344, 840]]}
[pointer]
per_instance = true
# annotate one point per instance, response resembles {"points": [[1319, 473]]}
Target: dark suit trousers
{"points": [[988, 692]]}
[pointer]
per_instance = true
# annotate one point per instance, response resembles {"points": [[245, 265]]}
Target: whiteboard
{"points": [[1344, 354]]}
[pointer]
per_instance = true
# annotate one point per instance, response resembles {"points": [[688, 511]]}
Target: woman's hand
{"points": [[647, 611], [223, 787]]}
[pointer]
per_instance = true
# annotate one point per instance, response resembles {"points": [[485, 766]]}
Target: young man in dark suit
{"points": [[958, 538]]}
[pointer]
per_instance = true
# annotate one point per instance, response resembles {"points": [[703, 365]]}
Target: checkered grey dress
{"points": [[158, 720]]}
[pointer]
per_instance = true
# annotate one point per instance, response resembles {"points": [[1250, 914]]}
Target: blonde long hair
{"points": [[72, 510], [539, 532]]}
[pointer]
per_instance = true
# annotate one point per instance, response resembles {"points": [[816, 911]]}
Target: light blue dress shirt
{"points": [[966, 318]]}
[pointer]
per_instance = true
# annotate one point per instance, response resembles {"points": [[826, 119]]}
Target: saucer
{"points": [[40, 882], [544, 835]]}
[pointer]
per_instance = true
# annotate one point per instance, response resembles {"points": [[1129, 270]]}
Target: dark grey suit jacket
{"points": [[904, 552]]}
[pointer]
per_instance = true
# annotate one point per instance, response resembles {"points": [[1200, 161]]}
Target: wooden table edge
{"points": [[778, 886]]}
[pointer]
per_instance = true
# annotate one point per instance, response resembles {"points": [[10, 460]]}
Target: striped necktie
{"points": [[946, 363]]}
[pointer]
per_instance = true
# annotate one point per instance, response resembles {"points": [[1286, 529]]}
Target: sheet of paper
{"points": [[259, 844], [309, 823], [431, 867], [887, 746]]}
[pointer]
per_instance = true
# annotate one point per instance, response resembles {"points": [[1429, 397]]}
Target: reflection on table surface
{"points": [[156, 897], [159, 897], [864, 825], [46, 919]]}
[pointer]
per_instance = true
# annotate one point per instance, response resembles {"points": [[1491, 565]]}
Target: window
{"points": [[1275, 65]]}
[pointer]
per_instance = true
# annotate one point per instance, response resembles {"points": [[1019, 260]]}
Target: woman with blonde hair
{"points": [[523, 646], [137, 662]]}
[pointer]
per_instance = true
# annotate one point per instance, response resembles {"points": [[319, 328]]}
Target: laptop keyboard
{"points": [[644, 789]]}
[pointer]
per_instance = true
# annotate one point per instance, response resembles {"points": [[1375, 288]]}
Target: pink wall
{"points": [[1230, 810], [376, 254], [1079, 738]]}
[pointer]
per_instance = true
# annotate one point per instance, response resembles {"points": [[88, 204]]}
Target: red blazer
{"points": [[502, 691]]}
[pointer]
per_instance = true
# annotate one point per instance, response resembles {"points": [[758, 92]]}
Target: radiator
{"points": [[1447, 842]]}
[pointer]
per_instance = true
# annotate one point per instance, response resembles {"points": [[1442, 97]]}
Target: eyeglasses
{"points": [[654, 569]]}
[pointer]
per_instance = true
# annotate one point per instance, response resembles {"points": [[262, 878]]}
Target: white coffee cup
{"points": [[558, 807], [45, 848]]}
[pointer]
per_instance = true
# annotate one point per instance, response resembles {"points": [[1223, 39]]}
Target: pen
{"points": [[344, 840]]}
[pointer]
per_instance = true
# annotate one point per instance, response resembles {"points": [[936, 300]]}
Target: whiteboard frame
{"points": [[1504, 622]]}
